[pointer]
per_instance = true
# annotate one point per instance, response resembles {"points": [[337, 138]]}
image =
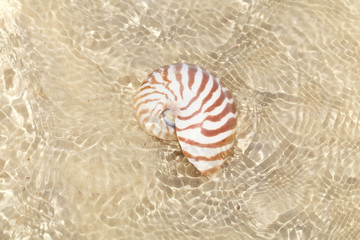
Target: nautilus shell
{"points": [[186, 102]]}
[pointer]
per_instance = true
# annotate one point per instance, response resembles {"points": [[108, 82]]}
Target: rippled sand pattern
{"points": [[74, 164]]}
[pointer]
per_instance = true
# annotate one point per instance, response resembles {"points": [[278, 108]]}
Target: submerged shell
{"points": [[186, 102]]}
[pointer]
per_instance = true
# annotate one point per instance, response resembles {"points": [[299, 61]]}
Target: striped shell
{"points": [[187, 103]]}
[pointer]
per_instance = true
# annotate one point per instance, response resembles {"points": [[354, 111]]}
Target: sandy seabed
{"points": [[74, 163]]}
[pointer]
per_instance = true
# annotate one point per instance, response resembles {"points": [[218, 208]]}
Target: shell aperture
{"points": [[187, 103], [168, 118]]}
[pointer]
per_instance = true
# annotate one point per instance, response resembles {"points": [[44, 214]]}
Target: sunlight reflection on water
{"points": [[74, 163]]}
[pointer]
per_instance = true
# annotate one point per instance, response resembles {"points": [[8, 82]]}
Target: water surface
{"points": [[74, 164]]}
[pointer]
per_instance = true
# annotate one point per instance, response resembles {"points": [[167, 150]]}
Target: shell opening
{"points": [[168, 117]]}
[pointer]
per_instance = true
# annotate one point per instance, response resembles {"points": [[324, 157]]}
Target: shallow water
{"points": [[74, 164]]}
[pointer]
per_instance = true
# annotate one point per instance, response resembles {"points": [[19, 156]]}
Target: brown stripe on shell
{"points": [[164, 74], [147, 94], [201, 89], [144, 88], [144, 102], [220, 143], [192, 126], [147, 118], [178, 77], [143, 111], [217, 103], [153, 80], [229, 108], [159, 70], [219, 156], [192, 70], [229, 125], [152, 110], [211, 93], [204, 81], [138, 93], [143, 83], [170, 90], [152, 127]]}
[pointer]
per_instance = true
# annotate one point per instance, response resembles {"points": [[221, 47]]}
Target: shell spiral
{"points": [[186, 102]]}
